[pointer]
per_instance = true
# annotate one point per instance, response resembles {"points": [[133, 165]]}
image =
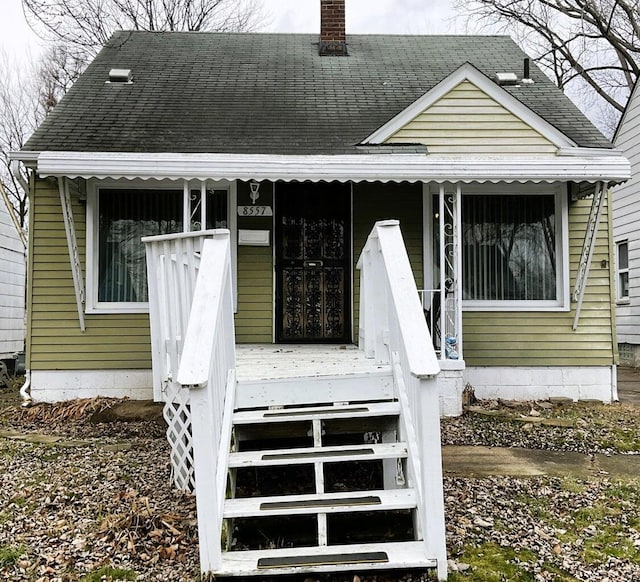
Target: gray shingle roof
{"points": [[272, 93]]}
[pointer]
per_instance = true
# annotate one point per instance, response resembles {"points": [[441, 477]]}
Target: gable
{"points": [[467, 120]]}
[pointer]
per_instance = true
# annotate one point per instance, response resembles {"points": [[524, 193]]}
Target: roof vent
{"points": [[526, 78], [120, 76], [507, 79]]}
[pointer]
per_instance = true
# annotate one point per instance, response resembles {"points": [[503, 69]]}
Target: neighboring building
{"points": [[12, 287], [491, 173], [626, 236]]}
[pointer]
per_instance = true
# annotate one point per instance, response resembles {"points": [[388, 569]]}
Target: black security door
{"points": [[313, 257]]}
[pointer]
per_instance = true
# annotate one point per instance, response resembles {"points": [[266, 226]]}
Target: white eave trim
{"points": [[597, 166], [468, 72]]}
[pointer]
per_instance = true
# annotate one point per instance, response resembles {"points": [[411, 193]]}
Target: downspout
{"points": [[14, 168], [612, 301]]}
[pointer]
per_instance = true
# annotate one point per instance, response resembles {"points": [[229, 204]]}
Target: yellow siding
{"points": [[122, 341], [254, 320], [467, 120], [373, 202], [547, 338], [55, 341]]}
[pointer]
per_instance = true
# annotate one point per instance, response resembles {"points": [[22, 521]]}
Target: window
{"points": [[512, 251], [117, 219], [622, 269], [124, 216]]}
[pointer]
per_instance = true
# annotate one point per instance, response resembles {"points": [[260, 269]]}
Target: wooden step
{"points": [[396, 555], [317, 412], [304, 456], [321, 503]]}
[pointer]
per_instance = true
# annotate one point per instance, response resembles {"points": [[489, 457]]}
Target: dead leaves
{"points": [[139, 528], [59, 413]]}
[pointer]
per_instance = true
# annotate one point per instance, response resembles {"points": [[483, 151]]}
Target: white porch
{"points": [[295, 371], [238, 414]]}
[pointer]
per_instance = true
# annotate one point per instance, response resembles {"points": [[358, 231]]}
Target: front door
{"points": [[313, 258]]}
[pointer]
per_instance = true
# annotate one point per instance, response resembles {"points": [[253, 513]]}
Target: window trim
{"points": [[95, 307], [562, 303], [621, 299]]}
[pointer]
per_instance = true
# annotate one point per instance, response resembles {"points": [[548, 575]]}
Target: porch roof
{"points": [[570, 165]]}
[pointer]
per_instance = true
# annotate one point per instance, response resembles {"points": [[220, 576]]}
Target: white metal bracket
{"points": [[74, 254], [588, 247]]}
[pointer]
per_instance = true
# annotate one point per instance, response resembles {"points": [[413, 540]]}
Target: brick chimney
{"points": [[332, 28]]}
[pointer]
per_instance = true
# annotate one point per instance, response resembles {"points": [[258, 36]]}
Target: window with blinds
{"points": [[509, 248], [125, 215]]}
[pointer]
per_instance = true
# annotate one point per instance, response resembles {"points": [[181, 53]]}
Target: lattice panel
{"points": [[177, 413]]}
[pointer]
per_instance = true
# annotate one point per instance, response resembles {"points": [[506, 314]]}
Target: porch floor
{"points": [[280, 361]]}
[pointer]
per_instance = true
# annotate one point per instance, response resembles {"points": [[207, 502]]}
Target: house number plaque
{"points": [[255, 211]]}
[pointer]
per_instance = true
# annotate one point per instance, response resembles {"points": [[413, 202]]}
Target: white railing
{"points": [[393, 330], [207, 369], [173, 263]]}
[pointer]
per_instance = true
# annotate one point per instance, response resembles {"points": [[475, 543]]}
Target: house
{"points": [[12, 287], [435, 200], [626, 211], [181, 131]]}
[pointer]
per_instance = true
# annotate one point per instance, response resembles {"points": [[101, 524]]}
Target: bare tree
{"points": [[585, 46], [58, 70], [76, 30], [84, 26], [20, 112], [27, 94]]}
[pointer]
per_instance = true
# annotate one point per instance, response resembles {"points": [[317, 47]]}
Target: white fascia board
{"points": [[356, 168], [27, 158], [468, 72]]}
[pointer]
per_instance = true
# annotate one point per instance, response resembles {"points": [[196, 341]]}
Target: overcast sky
{"points": [[363, 16]]}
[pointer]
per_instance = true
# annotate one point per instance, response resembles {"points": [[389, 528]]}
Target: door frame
{"points": [[349, 271]]}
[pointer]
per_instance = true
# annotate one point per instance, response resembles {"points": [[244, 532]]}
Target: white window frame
{"points": [[95, 307], [559, 191], [621, 299]]}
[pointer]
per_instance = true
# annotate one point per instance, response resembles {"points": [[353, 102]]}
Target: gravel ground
{"points": [[100, 497]]}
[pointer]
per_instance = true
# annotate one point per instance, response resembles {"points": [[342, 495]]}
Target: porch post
{"points": [[457, 233], [450, 204]]}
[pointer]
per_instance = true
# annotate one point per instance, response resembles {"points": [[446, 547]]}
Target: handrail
{"points": [[390, 305], [207, 368], [393, 329]]}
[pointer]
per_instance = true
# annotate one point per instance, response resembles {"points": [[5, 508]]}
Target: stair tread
{"points": [[392, 555], [317, 412], [299, 456], [321, 503]]}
